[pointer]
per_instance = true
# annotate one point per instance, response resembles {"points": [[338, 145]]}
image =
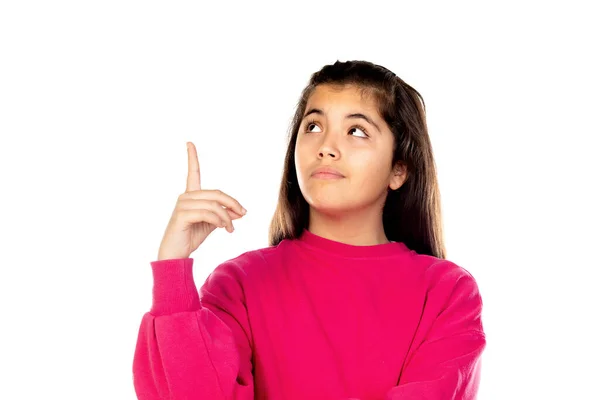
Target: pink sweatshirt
{"points": [[312, 319]]}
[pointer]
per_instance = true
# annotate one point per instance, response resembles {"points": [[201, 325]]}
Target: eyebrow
{"points": [[354, 115]]}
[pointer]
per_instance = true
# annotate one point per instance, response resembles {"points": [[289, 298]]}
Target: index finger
{"points": [[193, 178]]}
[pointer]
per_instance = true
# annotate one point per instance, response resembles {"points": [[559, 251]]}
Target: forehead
{"points": [[327, 96]]}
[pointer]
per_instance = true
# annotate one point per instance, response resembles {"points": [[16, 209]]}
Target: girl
{"points": [[353, 298]]}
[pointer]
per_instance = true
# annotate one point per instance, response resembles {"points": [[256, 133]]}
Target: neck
{"points": [[358, 227]]}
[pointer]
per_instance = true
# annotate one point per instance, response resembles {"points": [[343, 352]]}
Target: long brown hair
{"points": [[412, 213]]}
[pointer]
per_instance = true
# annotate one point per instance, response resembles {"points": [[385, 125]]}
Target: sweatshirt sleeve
{"points": [[444, 361], [192, 348]]}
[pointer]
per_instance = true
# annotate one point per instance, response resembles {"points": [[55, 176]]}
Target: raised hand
{"points": [[197, 213]]}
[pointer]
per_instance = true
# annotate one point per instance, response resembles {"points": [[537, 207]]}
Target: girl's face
{"points": [[343, 131]]}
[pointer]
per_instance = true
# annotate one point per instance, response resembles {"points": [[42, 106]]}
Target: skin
{"points": [[347, 210]]}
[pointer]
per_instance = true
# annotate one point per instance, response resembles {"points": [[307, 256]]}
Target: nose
{"points": [[328, 152], [328, 149]]}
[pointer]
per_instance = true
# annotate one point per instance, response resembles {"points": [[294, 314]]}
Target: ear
{"points": [[398, 176]]}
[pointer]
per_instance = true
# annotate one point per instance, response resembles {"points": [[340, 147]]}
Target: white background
{"points": [[97, 101]]}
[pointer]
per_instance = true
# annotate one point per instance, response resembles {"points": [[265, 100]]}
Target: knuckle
{"points": [[186, 195], [181, 204]]}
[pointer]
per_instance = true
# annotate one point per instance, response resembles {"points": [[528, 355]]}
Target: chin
{"points": [[328, 198], [329, 205]]}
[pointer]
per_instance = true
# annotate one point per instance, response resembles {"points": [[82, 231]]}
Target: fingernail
{"points": [[244, 211]]}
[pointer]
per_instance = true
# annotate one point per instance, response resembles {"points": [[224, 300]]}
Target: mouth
{"points": [[327, 173]]}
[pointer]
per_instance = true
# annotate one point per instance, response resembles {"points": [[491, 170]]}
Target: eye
{"points": [[360, 128], [308, 125], [364, 134]]}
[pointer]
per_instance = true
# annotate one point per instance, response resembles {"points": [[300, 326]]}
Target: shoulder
{"points": [[438, 270], [445, 278], [453, 288], [451, 294], [230, 278], [245, 265]]}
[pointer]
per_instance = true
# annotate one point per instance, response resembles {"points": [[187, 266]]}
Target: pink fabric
{"points": [[312, 319]]}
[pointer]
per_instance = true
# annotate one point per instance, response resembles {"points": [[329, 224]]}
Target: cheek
{"points": [[370, 178], [300, 160], [298, 154], [303, 150], [370, 167]]}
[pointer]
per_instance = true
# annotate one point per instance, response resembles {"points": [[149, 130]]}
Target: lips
{"points": [[327, 171]]}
